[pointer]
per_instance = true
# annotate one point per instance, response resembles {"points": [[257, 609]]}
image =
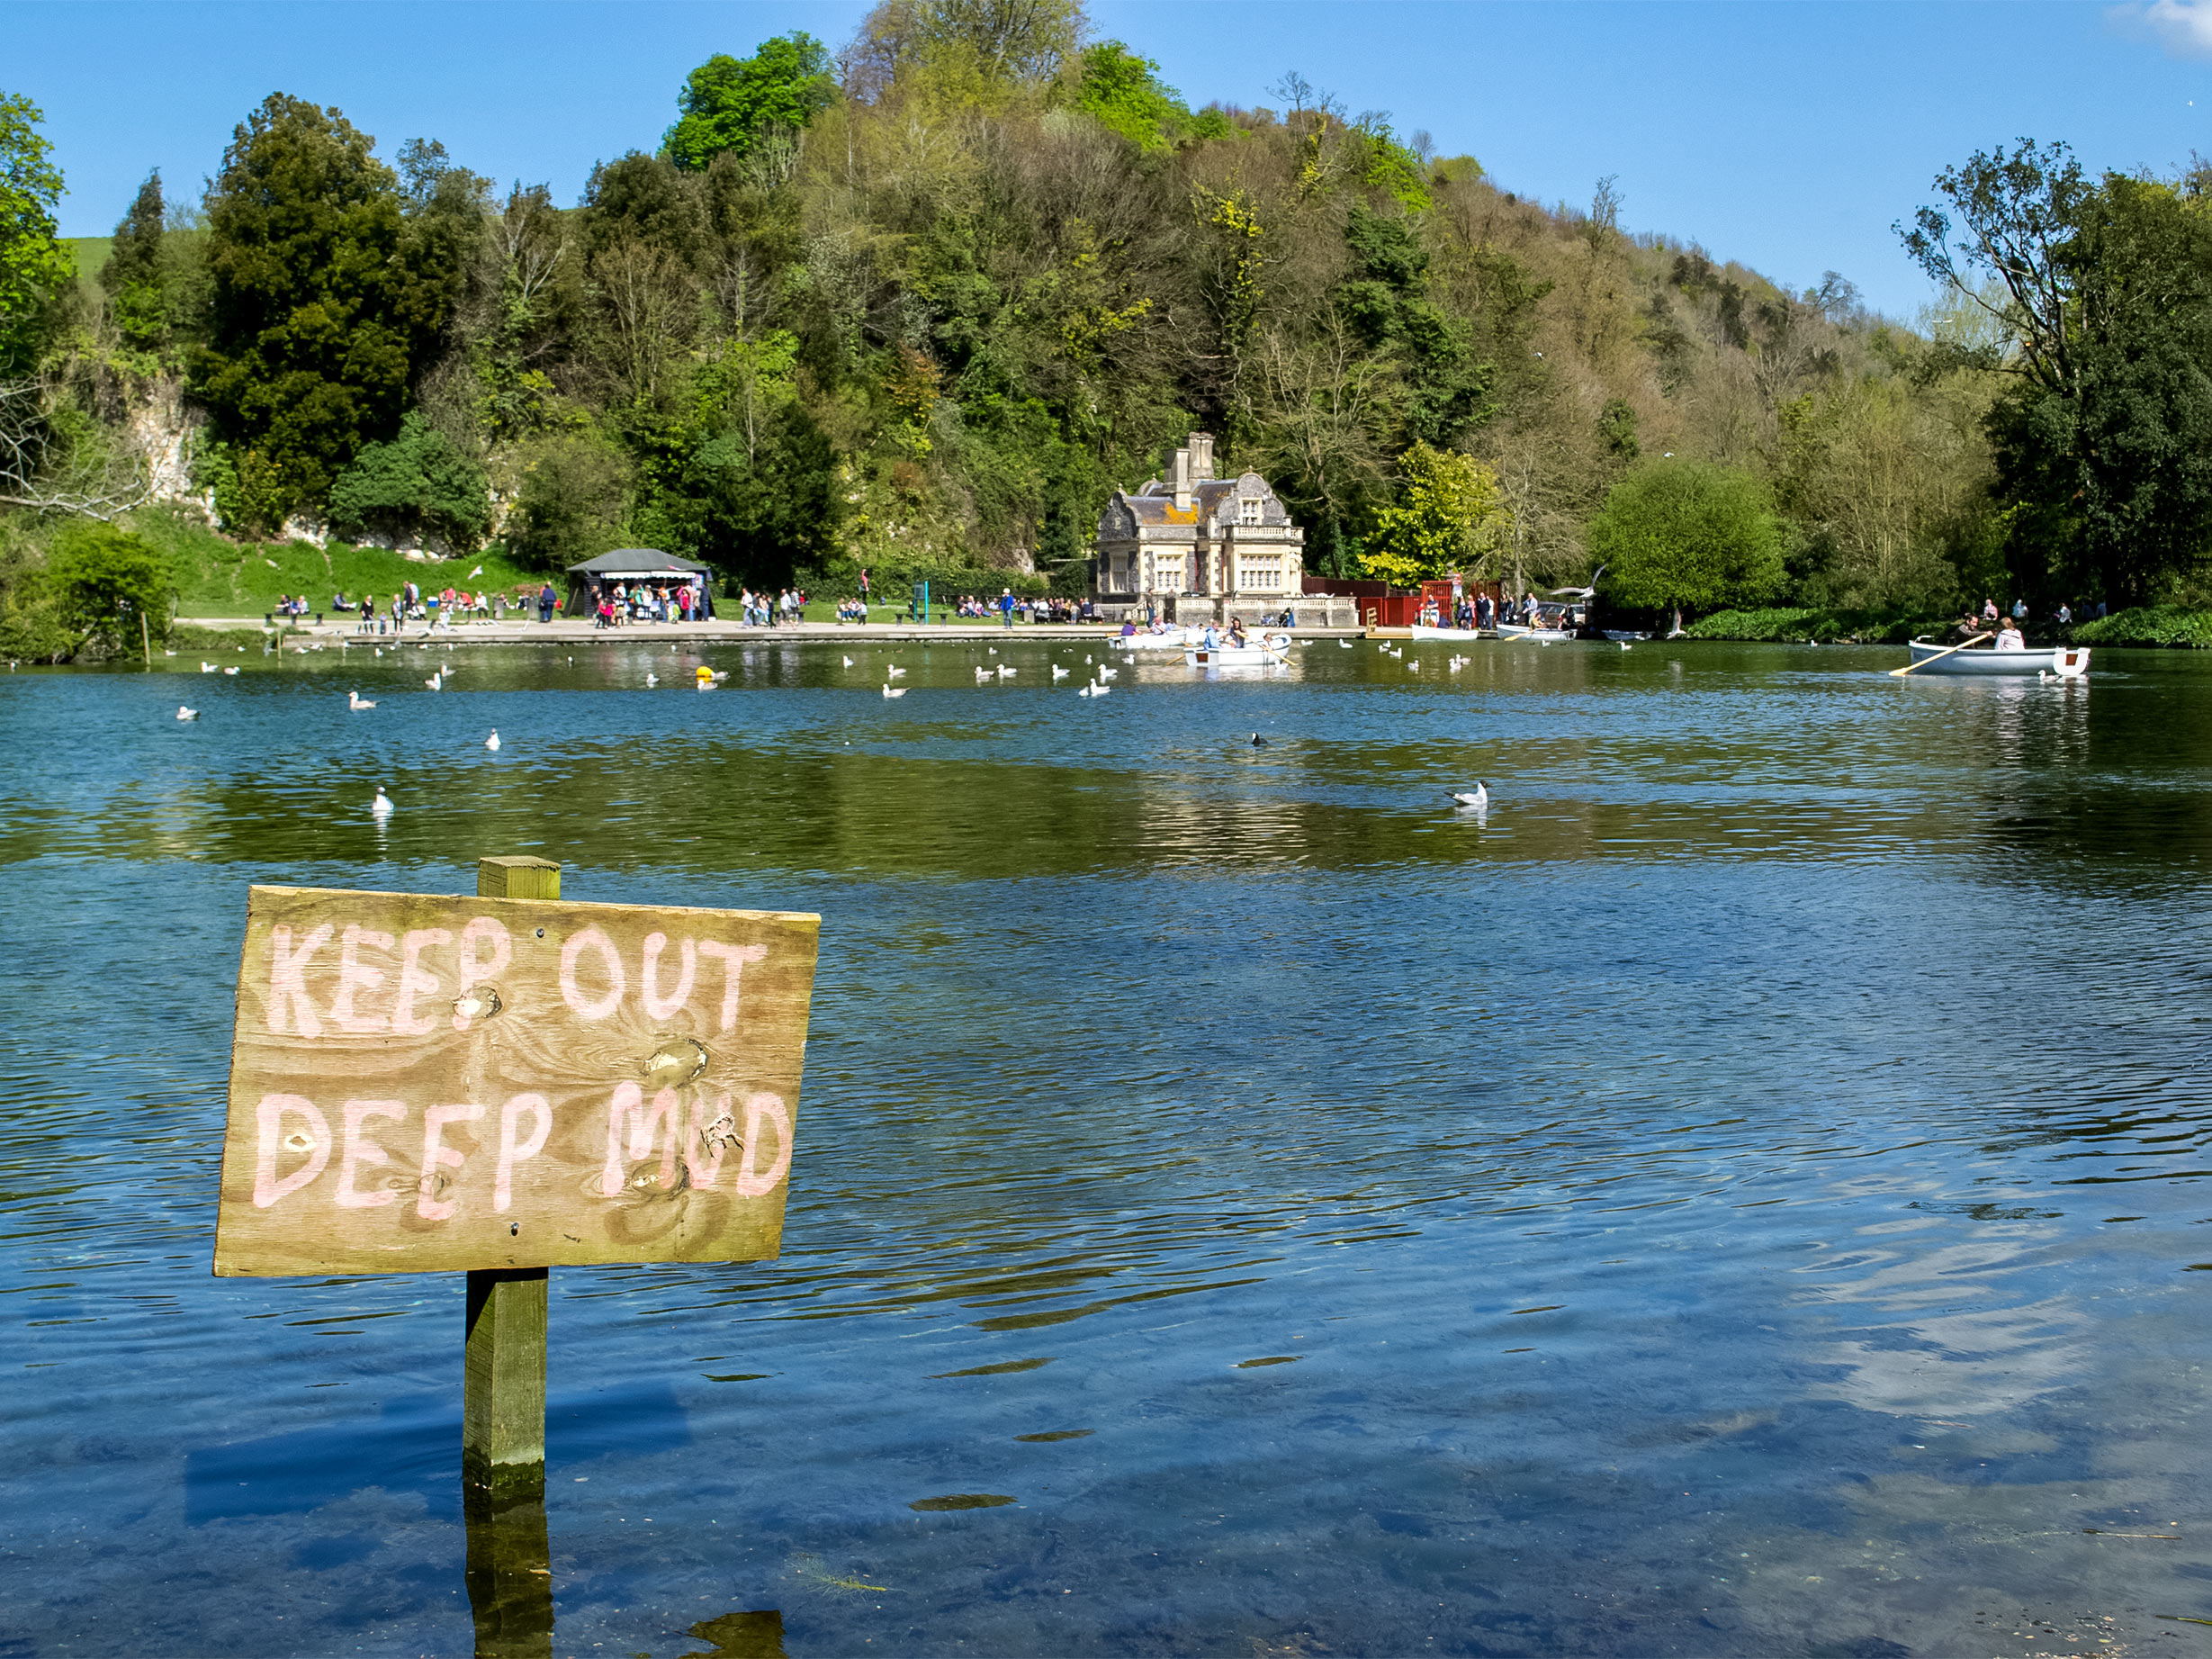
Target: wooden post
{"points": [[146, 639], [503, 1398]]}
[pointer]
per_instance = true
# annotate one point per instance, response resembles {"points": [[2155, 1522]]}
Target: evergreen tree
{"points": [[325, 299], [134, 276]]}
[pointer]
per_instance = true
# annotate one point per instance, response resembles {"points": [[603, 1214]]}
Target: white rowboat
{"points": [[1174, 639], [2064, 662], [1267, 652]]}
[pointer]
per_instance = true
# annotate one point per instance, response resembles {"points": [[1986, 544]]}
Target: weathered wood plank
{"points": [[423, 1083]]}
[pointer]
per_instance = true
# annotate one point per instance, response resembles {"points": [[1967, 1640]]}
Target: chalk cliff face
{"points": [[163, 430]]}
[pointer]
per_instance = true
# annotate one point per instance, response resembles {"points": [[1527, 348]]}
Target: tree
{"points": [[134, 276], [418, 485], [32, 264], [1451, 519], [1685, 535], [1125, 91], [728, 104], [2104, 440], [327, 298], [105, 581], [569, 500], [1004, 40]]}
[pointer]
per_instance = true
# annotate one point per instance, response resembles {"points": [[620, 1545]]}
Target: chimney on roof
{"points": [[1201, 456], [1179, 477]]}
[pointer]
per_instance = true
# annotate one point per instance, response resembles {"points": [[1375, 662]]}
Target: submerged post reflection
{"points": [[510, 1575]]}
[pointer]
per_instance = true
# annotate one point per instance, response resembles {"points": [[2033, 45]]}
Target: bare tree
{"points": [[102, 481]]}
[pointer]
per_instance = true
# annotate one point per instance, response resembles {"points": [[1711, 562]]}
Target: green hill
{"points": [[217, 577]]}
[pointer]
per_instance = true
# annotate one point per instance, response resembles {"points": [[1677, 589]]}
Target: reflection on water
{"points": [[1739, 1197]]}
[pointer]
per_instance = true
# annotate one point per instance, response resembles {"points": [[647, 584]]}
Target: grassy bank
{"points": [[216, 577], [1786, 624]]}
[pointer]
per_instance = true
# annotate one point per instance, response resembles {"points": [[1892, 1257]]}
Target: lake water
{"points": [[1740, 1197]]}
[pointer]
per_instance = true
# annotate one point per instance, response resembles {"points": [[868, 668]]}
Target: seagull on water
{"points": [[1478, 797], [1108, 673], [492, 742], [896, 673], [1258, 741], [207, 668], [184, 713], [652, 678], [891, 690], [232, 673], [357, 702], [381, 807], [1008, 673], [982, 676], [1058, 673], [1343, 645], [437, 682], [848, 661]]}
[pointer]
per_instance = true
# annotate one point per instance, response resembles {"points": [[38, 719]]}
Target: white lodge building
{"points": [[1227, 542]]}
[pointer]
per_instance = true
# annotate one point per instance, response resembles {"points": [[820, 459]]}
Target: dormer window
{"points": [[1248, 509]]}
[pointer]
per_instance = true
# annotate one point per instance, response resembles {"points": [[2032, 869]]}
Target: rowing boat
{"points": [[2065, 661], [1269, 652], [1174, 639]]}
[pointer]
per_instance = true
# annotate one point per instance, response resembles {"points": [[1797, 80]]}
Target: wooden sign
{"points": [[423, 1083]]}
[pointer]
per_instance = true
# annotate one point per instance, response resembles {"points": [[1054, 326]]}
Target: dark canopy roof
{"points": [[638, 562]]}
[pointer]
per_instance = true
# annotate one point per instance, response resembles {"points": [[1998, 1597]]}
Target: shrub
{"points": [[416, 487], [105, 580], [2149, 625]]}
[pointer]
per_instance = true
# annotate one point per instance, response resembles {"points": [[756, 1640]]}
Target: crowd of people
{"points": [[440, 608], [619, 603], [1479, 611], [758, 610], [976, 609]]}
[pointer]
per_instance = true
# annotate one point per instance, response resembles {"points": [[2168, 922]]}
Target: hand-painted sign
{"points": [[421, 1084]]}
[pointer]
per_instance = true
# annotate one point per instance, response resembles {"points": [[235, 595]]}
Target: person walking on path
{"points": [[1006, 605]]}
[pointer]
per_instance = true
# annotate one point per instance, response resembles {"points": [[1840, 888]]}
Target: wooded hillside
{"points": [[924, 303]]}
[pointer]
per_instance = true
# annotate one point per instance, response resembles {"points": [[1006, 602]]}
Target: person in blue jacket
{"points": [[1006, 605]]}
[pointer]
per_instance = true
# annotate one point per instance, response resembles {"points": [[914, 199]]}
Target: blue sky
{"points": [[1789, 136]]}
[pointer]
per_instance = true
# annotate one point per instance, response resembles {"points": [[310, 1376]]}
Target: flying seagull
{"points": [[1580, 593]]}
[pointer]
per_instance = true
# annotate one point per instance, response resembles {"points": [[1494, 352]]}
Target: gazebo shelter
{"points": [[630, 567]]}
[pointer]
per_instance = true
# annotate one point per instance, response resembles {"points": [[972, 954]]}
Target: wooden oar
{"points": [[1923, 662]]}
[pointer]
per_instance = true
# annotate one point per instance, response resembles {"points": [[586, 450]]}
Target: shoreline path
{"points": [[515, 633]]}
